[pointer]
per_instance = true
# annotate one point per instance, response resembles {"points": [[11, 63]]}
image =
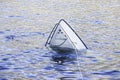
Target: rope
{"points": [[78, 65]]}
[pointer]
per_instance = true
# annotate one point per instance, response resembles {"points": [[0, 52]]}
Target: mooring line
{"points": [[78, 65]]}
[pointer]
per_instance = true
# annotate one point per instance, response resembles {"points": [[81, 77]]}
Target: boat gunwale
{"points": [[74, 32]]}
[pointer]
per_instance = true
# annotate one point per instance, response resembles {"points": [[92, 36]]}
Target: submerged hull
{"points": [[62, 49]]}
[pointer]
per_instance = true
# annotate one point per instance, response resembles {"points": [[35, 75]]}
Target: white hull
{"points": [[63, 37]]}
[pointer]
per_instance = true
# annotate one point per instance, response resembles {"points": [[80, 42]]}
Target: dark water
{"points": [[38, 63]]}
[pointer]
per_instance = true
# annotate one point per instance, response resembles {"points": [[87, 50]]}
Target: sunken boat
{"points": [[64, 39]]}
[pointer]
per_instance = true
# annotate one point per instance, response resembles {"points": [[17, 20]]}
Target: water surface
{"points": [[25, 26]]}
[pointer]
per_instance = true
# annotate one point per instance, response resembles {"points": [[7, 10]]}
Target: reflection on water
{"points": [[66, 65]]}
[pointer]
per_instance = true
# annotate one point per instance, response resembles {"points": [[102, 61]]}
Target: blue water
{"points": [[25, 26], [23, 61], [42, 64]]}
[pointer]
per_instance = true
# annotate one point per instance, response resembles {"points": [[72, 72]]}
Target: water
{"points": [[25, 27]]}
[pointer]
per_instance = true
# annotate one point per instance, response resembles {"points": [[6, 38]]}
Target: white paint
{"points": [[73, 37]]}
